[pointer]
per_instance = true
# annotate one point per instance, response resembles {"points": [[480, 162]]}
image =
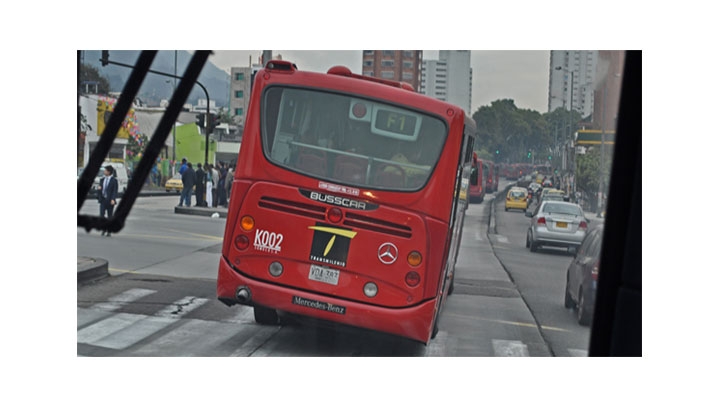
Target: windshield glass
{"points": [[350, 140]]}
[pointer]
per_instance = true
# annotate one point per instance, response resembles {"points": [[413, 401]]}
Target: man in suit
{"points": [[107, 193], [199, 186]]}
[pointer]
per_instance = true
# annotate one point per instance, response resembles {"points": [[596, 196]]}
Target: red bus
{"points": [[477, 180], [347, 203]]}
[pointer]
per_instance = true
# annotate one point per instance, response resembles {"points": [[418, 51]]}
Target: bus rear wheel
{"points": [[265, 316]]}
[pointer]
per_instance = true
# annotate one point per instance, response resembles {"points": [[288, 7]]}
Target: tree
{"points": [[89, 73]]}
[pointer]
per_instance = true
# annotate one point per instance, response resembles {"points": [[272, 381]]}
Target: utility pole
{"points": [[174, 159]]}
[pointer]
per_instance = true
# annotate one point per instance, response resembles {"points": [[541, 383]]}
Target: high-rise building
{"points": [[240, 80], [572, 75], [607, 91], [401, 66], [449, 78]]}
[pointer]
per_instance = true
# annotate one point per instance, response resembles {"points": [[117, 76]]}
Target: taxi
{"points": [[516, 199]]}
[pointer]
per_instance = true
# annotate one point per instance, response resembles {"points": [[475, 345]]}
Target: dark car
{"points": [[582, 275]]}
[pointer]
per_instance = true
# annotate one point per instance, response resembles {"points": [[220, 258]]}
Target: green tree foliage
{"points": [[513, 131], [588, 169], [89, 73]]}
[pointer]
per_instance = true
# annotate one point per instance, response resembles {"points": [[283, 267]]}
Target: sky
{"points": [[518, 75]]}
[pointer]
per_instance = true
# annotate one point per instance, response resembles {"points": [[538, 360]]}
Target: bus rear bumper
{"points": [[414, 322]]}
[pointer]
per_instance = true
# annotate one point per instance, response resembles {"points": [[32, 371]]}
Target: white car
{"points": [[556, 223]]}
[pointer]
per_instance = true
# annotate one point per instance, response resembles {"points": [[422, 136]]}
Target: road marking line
{"points": [[140, 236], [244, 314], [192, 337], [114, 270], [524, 324], [252, 344], [118, 301], [509, 348], [437, 346], [86, 316], [478, 237], [107, 327], [578, 352], [502, 239], [181, 307], [134, 333]]}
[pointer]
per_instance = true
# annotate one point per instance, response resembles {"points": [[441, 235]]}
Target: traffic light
{"points": [[200, 120], [497, 151], [529, 155], [549, 157], [104, 57], [213, 122]]}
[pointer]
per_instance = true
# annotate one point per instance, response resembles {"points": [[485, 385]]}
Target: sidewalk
{"points": [[91, 269]]}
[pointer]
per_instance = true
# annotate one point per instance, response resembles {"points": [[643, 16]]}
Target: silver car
{"points": [[556, 223]]}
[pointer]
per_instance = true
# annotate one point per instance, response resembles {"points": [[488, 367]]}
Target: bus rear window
{"points": [[349, 140]]}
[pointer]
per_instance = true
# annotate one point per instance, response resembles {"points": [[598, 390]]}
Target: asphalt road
{"points": [[160, 299]]}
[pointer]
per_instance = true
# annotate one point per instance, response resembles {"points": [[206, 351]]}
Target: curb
{"points": [[92, 269], [203, 212]]}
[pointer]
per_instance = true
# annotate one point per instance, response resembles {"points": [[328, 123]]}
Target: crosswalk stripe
{"points": [[437, 346], [255, 341], [86, 316], [181, 307], [509, 348], [577, 352], [134, 333], [244, 314], [107, 327], [118, 301], [193, 337]]}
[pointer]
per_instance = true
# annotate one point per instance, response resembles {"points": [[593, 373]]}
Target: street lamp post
{"points": [[174, 124], [572, 129]]}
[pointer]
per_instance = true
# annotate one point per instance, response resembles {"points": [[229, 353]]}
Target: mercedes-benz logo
{"points": [[388, 253]]}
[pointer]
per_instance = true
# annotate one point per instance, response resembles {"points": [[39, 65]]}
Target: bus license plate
{"points": [[324, 274], [561, 224]]}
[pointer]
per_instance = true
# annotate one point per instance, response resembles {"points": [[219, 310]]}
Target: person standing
{"points": [[184, 166], [216, 180], [228, 184], [188, 179], [107, 193], [222, 198], [208, 186], [199, 186]]}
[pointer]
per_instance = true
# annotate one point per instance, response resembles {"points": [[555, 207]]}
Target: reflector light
{"points": [[335, 215], [414, 259], [247, 223], [412, 278], [370, 290], [242, 242], [275, 269], [359, 110]]}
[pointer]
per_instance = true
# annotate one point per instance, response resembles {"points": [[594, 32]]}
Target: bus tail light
{"points": [[370, 289], [242, 242], [275, 269], [335, 215], [247, 223], [412, 278], [595, 270], [414, 258]]}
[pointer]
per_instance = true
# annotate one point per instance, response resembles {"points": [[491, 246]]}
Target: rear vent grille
{"points": [[377, 225], [292, 207]]}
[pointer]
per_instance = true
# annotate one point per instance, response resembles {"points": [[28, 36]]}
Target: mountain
{"points": [[155, 88]]}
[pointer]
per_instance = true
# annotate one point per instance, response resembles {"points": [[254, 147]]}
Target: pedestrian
{"points": [[199, 186], [184, 166], [222, 196], [228, 184], [208, 186], [107, 193], [216, 180], [188, 179]]}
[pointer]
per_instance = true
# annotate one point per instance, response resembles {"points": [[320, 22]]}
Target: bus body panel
{"points": [[277, 199]]}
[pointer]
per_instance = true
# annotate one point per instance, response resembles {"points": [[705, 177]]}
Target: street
{"points": [[160, 299]]}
